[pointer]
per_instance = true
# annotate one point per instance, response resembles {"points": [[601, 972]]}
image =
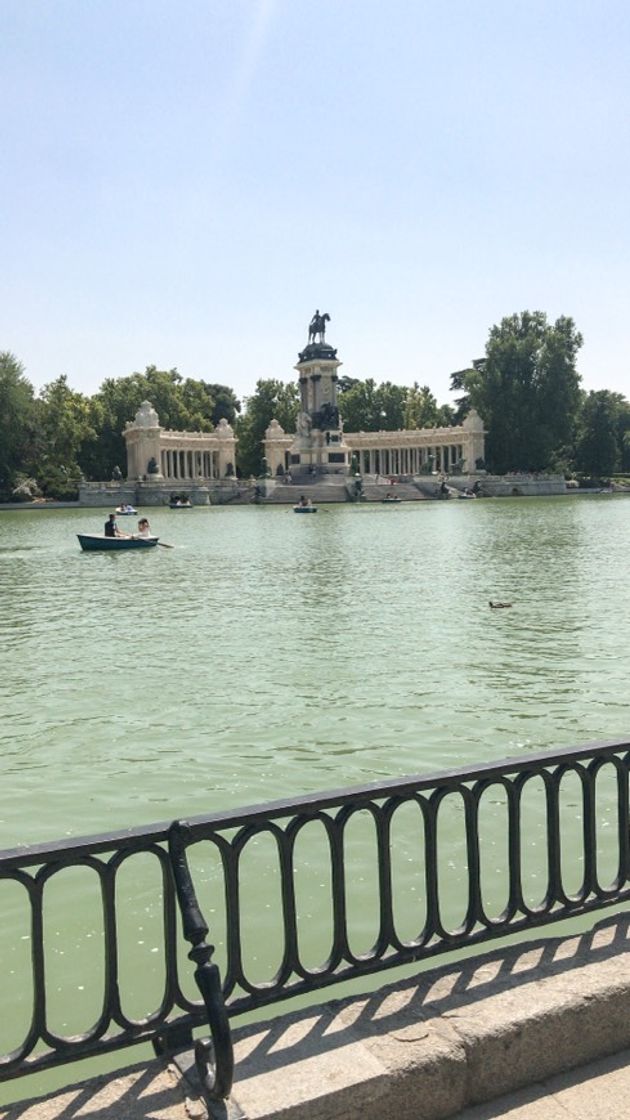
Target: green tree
{"points": [[63, 429], [16, 420], [359, 407], [604, 425], [367, 407], [423, 411], [527, 389], [272, 400], [226, 403], [182, 404], [391, 400]]}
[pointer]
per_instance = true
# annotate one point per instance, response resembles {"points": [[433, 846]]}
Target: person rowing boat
{"points": [[111, 527]]}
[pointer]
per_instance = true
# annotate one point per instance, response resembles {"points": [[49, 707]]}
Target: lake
{"points": [[268, 655], [271, 654]]}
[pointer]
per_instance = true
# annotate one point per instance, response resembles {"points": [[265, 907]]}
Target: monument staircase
{"points": [[325, 489], [376, 491]]}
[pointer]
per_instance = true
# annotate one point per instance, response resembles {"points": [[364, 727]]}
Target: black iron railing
{"points": [[599, 810]]}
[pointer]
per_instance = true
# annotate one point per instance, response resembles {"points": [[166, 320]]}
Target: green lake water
{"points": [[268, 655]]}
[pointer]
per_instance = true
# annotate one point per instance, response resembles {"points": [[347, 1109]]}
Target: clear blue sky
{"points": [[184, 183]]}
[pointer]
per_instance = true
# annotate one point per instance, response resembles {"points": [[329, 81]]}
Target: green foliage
{"points": [[64, 425], [17, 421], [272, 399], [423, 411], [226, 404], [603, 443], [366, 407], [181, 404], [527, 390]]}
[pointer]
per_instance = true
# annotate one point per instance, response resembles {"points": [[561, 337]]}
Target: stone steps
{"points": [[406, 491], [289, 494]]}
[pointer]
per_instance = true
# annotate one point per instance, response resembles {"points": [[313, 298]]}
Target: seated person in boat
{"points": [[304, 501], [144, 529], [111, 528]]}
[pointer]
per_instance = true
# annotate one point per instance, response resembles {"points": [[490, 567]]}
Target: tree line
{"points": [[526, 388]]}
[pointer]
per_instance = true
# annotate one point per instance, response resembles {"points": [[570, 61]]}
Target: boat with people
{"points": [[180, 503], [97, 542], [126, 511], [391, 500]]}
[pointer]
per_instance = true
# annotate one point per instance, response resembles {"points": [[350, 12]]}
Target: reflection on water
{"points": [[272, 654]]}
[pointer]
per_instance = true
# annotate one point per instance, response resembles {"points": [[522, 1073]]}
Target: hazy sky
{"points": [[183, 183]]}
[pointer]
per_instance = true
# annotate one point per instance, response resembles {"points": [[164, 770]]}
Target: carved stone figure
{"points": [[303, 426]]}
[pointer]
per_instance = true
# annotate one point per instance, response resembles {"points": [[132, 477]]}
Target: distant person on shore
{"points": [[144, 529]]}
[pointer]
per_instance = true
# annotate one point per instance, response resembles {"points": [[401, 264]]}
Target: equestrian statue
{"points": [[317, 326]]}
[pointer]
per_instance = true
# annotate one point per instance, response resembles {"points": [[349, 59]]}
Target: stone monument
{"points": [[319, 447]]}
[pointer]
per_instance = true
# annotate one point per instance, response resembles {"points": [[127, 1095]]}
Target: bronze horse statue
{"points": [[317, 326]]}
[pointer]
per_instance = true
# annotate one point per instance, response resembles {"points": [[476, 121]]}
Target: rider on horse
{"points": [[317, 325]]}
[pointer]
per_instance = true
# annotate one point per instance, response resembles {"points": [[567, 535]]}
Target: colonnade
{"points": [[406, 460], [183, 464]]}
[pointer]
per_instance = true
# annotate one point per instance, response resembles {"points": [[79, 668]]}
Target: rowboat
{"points": [[128, 511], [390, 501], [96, 542], [305, 509], [180, 505]]}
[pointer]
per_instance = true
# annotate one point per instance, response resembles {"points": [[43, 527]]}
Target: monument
{"points": [[318, 447]]}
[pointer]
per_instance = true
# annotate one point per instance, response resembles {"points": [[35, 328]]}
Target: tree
{"points": [[359, 406], [272, 400], [423, 411], [390, 401], [226, 403], [16, 420], [366, 407], [527, 390], [63, 428], [604, 425], [182, 404]]}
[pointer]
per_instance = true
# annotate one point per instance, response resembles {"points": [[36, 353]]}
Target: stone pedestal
{"points": [[319, 446]]}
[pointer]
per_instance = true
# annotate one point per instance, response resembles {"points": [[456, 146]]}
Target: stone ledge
{"points": [[451, 1037], [422, 1049]]}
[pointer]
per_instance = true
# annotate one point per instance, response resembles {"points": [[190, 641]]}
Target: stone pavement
{"points": [[598, 1091], [147, 1091]]}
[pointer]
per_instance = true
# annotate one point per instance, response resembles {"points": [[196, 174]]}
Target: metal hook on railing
{"points": [[214, 1058]]}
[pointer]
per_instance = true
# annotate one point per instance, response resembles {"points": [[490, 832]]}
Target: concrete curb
{"points": [[425, 1048], [452, 1037]]}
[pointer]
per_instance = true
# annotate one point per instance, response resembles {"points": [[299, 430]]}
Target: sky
{"points": [[184, 183]]}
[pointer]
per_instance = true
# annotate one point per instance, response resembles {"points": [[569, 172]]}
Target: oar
{"points": [[162, 544]]}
